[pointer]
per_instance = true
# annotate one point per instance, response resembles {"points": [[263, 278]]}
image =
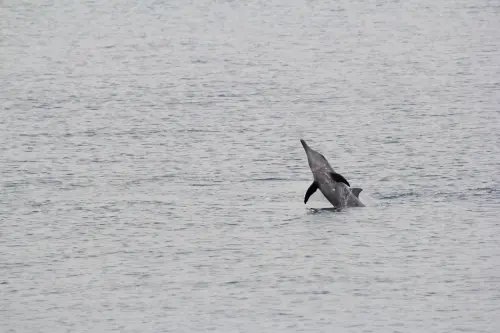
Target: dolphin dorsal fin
{"points": [[356, 191]]}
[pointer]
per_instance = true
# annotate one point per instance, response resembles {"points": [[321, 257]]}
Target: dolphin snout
{"points": [[304, 144]]}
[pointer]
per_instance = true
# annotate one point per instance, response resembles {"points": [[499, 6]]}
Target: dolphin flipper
{"points": [[310, 191], [356, 191], [339, 178]]}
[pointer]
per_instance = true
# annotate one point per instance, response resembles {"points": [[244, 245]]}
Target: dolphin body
{"points": [[334, 186]]}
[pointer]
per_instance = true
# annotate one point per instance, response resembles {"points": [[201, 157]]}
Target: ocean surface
{"points": [[153, 179]]}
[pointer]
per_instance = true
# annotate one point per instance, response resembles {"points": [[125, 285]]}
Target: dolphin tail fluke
{"points": [[356, 191], [339, 178], [310, 191]]}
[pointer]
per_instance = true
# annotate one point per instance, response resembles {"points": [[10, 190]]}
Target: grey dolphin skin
{"points": [[334, 186]]}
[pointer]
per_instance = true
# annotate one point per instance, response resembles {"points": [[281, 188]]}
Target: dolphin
{"points": [[333, 185]]}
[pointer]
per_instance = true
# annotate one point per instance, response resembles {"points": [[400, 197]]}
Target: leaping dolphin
{"points": [[333, 185]]}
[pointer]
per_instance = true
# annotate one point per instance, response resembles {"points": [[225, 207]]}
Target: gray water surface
{"points": [[153, 179]]}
